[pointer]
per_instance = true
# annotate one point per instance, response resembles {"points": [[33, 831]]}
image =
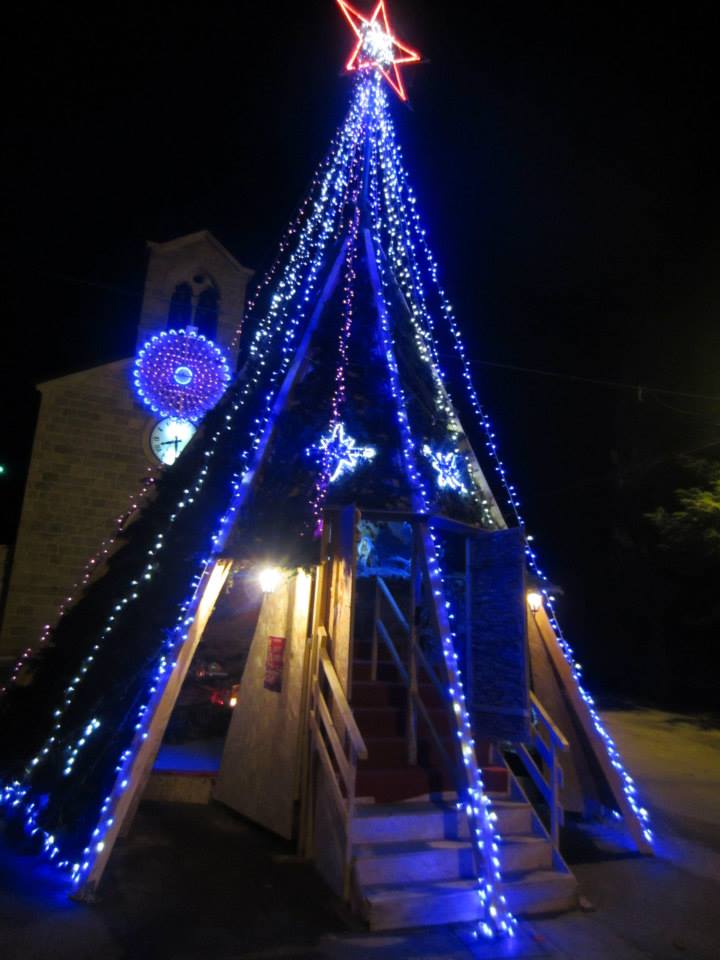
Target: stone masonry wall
{"points": [[90, 454]]}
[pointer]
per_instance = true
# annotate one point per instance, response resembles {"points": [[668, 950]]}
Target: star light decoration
{"points": [[447, 469], [339, 452], [377, 47]]}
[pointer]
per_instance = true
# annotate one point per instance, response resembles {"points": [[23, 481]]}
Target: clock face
{"points": [[169, 438]]}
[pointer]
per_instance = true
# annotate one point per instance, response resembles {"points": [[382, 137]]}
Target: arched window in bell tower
{"points": [[180, 311], [206, 312]]}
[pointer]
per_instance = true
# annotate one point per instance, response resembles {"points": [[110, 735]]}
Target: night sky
{"points": [[564, 159]]}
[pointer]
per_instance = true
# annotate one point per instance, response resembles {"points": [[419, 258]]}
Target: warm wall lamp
{"points": [[535, 601], [270, 578]]}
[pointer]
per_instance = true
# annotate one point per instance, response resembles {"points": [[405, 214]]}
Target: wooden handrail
{"points": [[414, 694], [387, 639], [392, 603], [343, 764], [324, 755], [535, 773], [341, 703], [553, 730], [548, 782], [336, 740]]}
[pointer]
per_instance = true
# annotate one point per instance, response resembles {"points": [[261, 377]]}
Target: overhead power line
{"points": [[638, 388]]}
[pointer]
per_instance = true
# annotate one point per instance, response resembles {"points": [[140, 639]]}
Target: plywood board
{"points": [[259, 771]]}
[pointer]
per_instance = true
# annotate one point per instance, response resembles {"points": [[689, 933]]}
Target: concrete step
{"points": [[425, 820], [387, 906], [421, 860]]}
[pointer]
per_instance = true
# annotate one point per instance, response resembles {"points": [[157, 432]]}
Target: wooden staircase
{"points": [[412, 861], [388, 760]]}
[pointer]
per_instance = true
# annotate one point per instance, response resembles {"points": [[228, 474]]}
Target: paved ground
{"points": [[197, 882]]}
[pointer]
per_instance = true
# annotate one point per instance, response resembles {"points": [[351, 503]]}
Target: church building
{"points": [[95, 442]]}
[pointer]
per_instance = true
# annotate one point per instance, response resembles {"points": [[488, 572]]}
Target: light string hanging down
{"points": [[407, 212], [498, 920], [166, 664], [399, 244], [89, 570], [279, 327], [338, 451]]}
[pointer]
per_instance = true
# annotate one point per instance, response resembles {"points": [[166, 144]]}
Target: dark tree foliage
{"points": [[658, 605]]}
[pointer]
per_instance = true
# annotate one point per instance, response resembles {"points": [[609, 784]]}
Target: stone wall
{"points": [[90, 455]]}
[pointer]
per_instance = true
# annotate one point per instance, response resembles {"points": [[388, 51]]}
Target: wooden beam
{"points": [[160, 710], [292, 375], [595, 741]]}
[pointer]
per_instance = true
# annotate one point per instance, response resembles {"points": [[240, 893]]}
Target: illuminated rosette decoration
{"points": [[182, 374]]}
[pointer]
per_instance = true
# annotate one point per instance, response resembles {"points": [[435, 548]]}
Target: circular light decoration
{"points": [[180, 373]]}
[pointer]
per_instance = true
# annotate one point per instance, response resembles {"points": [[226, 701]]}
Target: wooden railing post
{"points": [[548, 781], [336, 745], [554, 798], [350, 787]]}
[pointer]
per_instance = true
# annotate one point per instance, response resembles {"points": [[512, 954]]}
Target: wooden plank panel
{"points": [[593, 739], [261, 760], [161, 710]]}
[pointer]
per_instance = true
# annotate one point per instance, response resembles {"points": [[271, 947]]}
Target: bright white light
{"points": [[535, 600], [378, 45], [269, 578], [183, 376]]}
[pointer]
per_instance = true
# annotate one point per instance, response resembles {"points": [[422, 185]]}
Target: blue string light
{"points": [[291, 285], [275, 334], [402, 210], [498, 920]]}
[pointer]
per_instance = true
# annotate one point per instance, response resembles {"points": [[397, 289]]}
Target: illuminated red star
{"points": [[377, 46]]}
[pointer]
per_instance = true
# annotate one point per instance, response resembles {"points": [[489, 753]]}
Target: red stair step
{"points": [[392, 721], [389, 752], [377, 694], [388, 786], [386, 671]]}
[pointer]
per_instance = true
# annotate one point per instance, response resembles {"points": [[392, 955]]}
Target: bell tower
{"points": [[194, 280]]}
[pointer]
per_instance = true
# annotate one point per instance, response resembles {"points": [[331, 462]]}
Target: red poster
{"points": [[274, 664]]}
